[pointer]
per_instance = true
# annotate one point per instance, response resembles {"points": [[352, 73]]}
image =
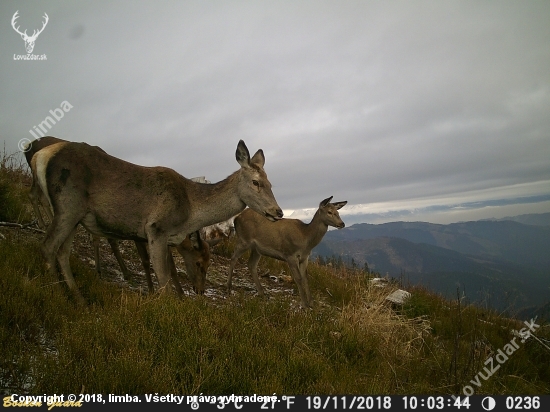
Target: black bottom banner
{"points": [[169, 402]]}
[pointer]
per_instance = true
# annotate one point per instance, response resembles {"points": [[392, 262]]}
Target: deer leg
{"points": [[56, 234], [237, 252], [253, 268], [305, 282], [294, 266], [63, 256], [158, 249], [174, 273], [144, 256], [116, 251]]}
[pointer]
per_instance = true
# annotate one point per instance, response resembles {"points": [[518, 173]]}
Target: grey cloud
{"points": [[365, 101]]}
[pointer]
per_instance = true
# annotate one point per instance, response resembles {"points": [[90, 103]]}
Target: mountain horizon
{"points": [[502, 263]]}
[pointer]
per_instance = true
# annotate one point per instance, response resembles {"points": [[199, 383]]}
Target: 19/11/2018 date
{"points": [[347, 402]]}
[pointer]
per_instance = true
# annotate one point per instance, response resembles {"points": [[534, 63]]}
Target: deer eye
{"points": [[256, 183]]}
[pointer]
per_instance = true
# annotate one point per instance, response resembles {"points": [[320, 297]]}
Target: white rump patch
{"points": [[40, 160]]}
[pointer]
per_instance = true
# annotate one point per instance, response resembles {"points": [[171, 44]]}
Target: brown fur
{"points": [[289, 240], [117, 199], [193, 249]]}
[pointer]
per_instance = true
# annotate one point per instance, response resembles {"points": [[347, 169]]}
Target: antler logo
{"points": [[29, 40]]}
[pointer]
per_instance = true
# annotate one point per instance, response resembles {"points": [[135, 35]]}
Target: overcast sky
{"points": [[410, 110]]}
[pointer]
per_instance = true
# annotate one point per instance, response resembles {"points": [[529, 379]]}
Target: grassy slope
{"points": [[353, 343]]}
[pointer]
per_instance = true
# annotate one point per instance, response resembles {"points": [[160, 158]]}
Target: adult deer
{"points": [[114, 198], [194, 250], [289, 240]]}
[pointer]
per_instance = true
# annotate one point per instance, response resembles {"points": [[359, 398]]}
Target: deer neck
{"points": [[316, 229], [214, 203]]}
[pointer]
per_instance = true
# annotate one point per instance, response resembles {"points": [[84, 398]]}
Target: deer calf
{"points": [[289, 240]]}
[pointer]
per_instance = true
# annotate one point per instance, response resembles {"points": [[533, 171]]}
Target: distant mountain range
{"points": [[500, 263], [540, 219]]}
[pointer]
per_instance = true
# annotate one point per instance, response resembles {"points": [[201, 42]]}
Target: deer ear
{"points": [[325, 202], [242, 154], [258, 158], [340, 205], [195, 239]]}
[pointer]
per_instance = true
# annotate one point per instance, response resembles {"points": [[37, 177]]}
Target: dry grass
{"points": [[127, 342], [15, 181]]}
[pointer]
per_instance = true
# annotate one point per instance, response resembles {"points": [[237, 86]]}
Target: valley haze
{"points": [[499, 263]]}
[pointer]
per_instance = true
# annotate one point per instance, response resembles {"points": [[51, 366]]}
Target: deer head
{"points": [[29, 40]]}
